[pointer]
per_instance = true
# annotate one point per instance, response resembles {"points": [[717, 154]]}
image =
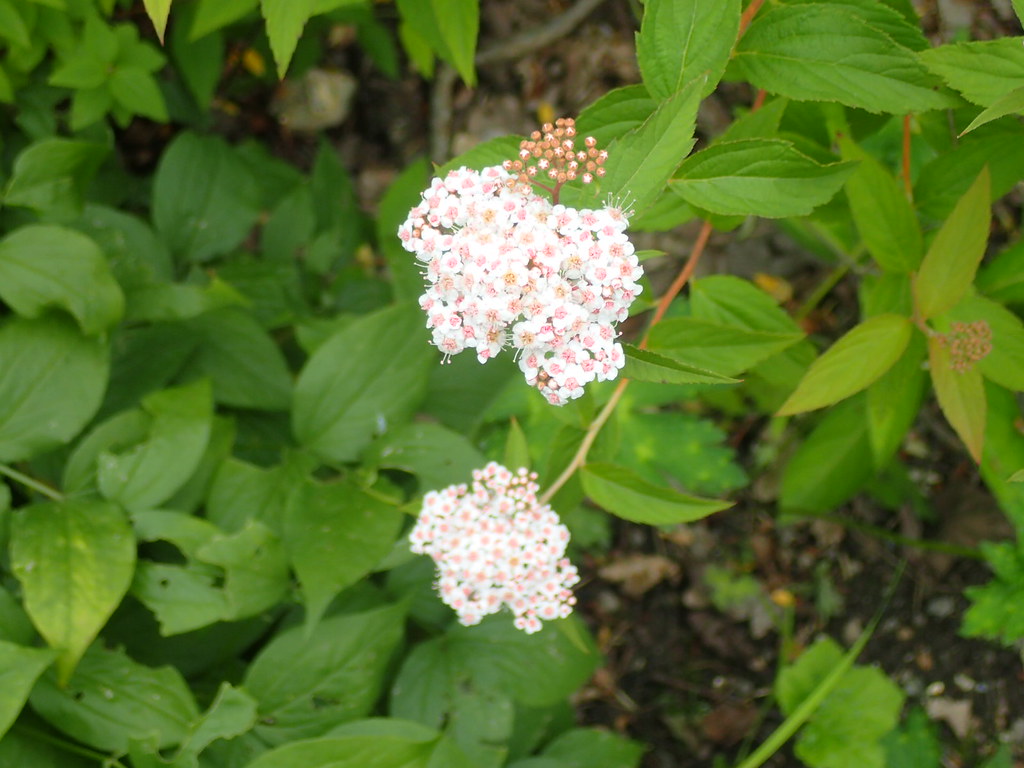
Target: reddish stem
{"points": [[748, 16]]}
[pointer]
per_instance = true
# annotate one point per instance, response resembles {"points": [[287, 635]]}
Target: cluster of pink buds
{"points": [[507, 267], [495, 546], [552, 153], [968, 343]]}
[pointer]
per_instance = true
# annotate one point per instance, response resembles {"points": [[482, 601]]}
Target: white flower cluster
{"points": [[494, 545], [506, 266]]}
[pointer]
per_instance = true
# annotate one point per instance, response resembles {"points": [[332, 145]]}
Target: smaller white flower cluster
{"points": [[494, 546], [505, 266]]}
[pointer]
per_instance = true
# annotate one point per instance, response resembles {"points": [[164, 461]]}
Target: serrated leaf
{"points": [[995, 607], [757, 177], [680, 41], [1011, 103], [627, 495], [644, 365], [74, 560], [851, 364], [983, 71], [953, 257], [885, 218], [961, 395], [285, 20], [821, 52], [724, 348], [645, 158], [51, 384], [372, 372], [616, 113], [335, 534]]}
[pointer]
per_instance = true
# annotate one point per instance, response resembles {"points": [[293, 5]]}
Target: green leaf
{"points": [[953, 257], [1004, 453], [856, 360], [437, 456], [1018, 8], [51, 175], [983, 71], [205, 200], [644, 159], [592, 748], [832, 464], [845, 729], [13, 27], [824, 52], [19, 668], [232, 713], [372, 751], [306, 685], [45, 265], [450, 27], [491, 152], [158, 11], [725, 349], [995, 610], [1005, 363], [616, 113], [403, 194], [74, 560], [915, 745], [149, 473], [137, 91], [51, 383], [371, 372], [517, 448], [212, 15], [757, 177], [112, 699], [335, 534], [961, 395], [627, 495], [644, 365], [242, 492], [199, 62], [1011, 103], [285, 20], [680, 41], [255, 566], [894, 401], [885, 218]]}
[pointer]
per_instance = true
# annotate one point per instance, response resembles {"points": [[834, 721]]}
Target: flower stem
{"points": [[28, 482], [595, 427]]}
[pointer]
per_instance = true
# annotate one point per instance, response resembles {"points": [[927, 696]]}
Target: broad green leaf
{"points": [[821, 52], [832, 464], [894, 401], [350, 752], [1011, 103], [205, 200], [593, 748], [255, 566], [627, 495], [335, 534], [616, 113], [953, 257], [306, 685], [856, 360], [885, 218], [461, 394], [644, 365], [43, 265], [680, 41], [111, 699], [19, 668], [183, 598], [732, 301], [51, 175], [74, 560], [845, 729], [757, 177], [961, 395], [243, 492], [212, 15], [138, 92], [645, 158], [915, 744], [285, 20], [1005, 363], [135, 255], [23, 748], [902, 24], [51, 383], [372, 372], [983, 71], [437, 456], [149, 473], [726, 349], [232, 713], [761, 123], [244, 365], [158, 11], [15, 625]]}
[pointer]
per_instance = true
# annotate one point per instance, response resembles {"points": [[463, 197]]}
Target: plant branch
{"points": [[748, 15], [595, 427], [29, 482]]}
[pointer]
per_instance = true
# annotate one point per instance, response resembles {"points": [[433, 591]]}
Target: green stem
{"points": [[821, 291], [32, 483]]}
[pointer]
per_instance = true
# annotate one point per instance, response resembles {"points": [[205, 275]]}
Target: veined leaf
{"points": [[856, 360], [953, 257], [821, 52], [1011, 103], [1004, 364], [681, 40], [715, 346], [627, 495], [644, 365], [961, 395], [757, 177], [983, 71], [616, 113]]}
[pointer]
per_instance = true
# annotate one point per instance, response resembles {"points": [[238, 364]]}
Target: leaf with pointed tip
{"points": [[285, 20], [961, 395], [644, 365], [627, 495]]}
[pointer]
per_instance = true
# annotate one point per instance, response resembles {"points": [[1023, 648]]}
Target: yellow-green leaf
{"points": [[851, 364], [961, 396], [158, 11], [627, 495]]}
